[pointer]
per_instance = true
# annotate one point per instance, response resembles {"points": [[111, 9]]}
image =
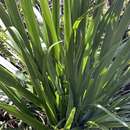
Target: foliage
{"points": [[75, 64]]}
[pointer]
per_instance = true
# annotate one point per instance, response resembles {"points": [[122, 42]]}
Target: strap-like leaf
{"points": [[21, 115], [112, 115], [70, 119]]}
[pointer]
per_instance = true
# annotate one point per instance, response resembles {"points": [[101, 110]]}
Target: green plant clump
{"points": [[75, 64]]}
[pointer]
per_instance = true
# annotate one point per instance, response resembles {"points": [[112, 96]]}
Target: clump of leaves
{"points": [[74, 77]]}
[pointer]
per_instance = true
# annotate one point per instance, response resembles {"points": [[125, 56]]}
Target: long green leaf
{"points": [[112, 115], [32, 26], [70, 119], [50, 24], [67, 23], [16, 18], [28, 119]]}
